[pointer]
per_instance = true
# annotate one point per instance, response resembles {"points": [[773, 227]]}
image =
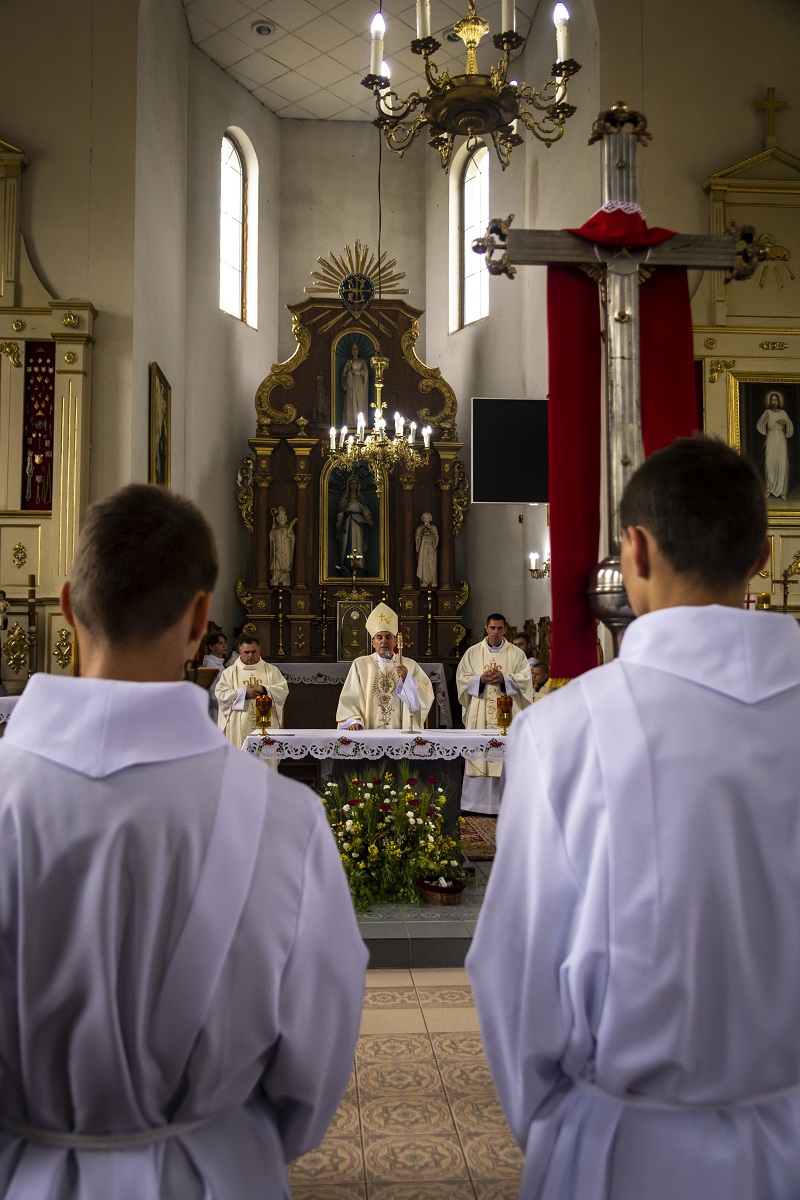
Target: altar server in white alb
{"points": [[493, 668], [182, 973], [636, 964], [238, 686], [384, 690]]}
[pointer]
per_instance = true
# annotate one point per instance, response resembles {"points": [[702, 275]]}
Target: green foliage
{"points": [[389, 831]]}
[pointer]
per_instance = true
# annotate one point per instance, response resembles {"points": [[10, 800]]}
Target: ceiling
{"points": [[312, 64]]}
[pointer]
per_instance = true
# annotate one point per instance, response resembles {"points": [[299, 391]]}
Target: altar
{"points": [[441, 752], [314, 689]]}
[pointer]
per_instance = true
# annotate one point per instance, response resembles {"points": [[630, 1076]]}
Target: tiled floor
{"points": [[420, 1119]]}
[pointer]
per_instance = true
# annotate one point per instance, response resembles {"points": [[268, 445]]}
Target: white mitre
{"points": [[382, 619]]}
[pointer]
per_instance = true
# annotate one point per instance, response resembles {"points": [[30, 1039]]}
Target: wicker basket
{"points": [[432, 893]]}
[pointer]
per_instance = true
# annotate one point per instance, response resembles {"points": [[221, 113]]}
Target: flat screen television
{"points": [[509, 451]]}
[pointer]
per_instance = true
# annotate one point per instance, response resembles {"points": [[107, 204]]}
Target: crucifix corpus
{"points": [[617, 251]]}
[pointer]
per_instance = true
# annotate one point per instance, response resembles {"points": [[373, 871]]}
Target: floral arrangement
{"points": [[389, 831]]}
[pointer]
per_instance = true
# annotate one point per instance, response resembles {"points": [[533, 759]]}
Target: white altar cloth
{"points": [[375, 743]]}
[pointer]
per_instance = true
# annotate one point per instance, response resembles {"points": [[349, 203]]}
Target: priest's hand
{"points": [[357, 726], [492, 676], [402, 671], [254, 689]]}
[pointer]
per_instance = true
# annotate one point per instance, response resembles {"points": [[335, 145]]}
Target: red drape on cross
{"points": [[575, 369]]}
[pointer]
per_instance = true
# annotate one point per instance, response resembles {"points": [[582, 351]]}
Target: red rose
{"points": [[411, 782], [377, 779], [432, 779], [413, 803], [385, 807]]}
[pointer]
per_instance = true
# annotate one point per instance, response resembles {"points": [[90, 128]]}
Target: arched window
{"points": [[232, 229], [474, 219]]}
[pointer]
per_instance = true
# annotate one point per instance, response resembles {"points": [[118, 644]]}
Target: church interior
{"points": [[133, 349]]}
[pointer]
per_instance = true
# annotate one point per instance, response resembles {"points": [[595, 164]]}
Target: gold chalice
{"points": [[263, 708], [504, 707]]}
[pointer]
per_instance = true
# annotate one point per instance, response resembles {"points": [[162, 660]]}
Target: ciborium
{"points": [[262, 707], [504, 706]]}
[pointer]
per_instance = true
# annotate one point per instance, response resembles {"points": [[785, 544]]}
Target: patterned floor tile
{"points": [[478, 1113], [451, 1020], [413, 1078], [462, 1077], [397, 1048], [457, 996], [449, 1046], [452, 1189], [505, 1189], [345, 1119], [492, 1156], [413, 1157], [405, 1113], [330, 1191], [383, 997], [338, 1160], [390, 1021]]}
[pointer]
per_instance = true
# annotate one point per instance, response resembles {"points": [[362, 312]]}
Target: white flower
{"points": [[369, 785], [440, 791], [453, 862], [348, 824], [430, 840], [387, 787], [345, 845]]}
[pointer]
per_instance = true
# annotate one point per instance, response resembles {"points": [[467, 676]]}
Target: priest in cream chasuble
{"points": [[238, 687], [384, 690], [493, 668]]}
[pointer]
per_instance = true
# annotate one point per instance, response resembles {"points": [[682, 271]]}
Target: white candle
{"points": [[534, 560], [350, 444], [377, 29], [508, 15], [333, 438], [560, 18], [342, 436], [398, 425], [361, 427], [412, 429], [386, 70], [423, 18], [426, 435]]}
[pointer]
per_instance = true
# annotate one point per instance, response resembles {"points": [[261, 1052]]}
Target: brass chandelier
{"points": [[471, 105], [374, 447]]}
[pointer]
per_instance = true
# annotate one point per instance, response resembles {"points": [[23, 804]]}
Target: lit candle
{"points": [[333, 438], [560, 18], [361, 427], [350, 444], [386, 70], [377, 29], [507, 21], [398, 425], [342, 436], [423, 18], [412, 432], [534, 560], [426, 436]]}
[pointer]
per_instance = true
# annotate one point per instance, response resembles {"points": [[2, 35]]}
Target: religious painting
{"points": [[354, 525], [764, 424], [354, 379], [160, 411]]}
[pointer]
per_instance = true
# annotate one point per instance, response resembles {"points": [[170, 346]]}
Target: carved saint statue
{"points": [[281, 547], [426, 540], [355, 381]]}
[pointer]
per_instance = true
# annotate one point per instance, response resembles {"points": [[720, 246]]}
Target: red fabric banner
{"points": [[575, 364]]}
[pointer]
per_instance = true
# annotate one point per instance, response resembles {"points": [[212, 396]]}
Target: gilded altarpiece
{"points": [[747, 342], [288, 466]]}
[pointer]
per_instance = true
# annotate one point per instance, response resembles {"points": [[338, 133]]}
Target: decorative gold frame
{"points": [[326, 573], [160, 427], [745, 391]]}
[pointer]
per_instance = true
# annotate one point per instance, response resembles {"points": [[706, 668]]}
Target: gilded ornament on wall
{"points": [[719, 365], [19, 555], [244, 491], [70, 357], [11, 351], [460, 496], [355, 277], [62, 651], [15, 648], [242, 595], [71, 320]]}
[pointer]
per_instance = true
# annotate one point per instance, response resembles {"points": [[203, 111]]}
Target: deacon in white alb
{"points": [[636, 964], [492, 668], [383, 691], [238, 686], [182, 972]]}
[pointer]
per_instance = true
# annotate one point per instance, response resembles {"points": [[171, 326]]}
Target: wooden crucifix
{"points": [[618, 270]]}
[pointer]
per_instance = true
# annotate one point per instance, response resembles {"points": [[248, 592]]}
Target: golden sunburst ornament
{"points": [[356, 277]]}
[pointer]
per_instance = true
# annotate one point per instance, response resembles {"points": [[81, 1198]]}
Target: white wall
{"points": [[67, 97]]}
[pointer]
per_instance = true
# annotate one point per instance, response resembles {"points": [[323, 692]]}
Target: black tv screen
{"points": [[509, 451]]}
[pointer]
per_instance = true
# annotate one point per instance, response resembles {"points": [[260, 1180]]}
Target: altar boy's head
{"points": [[140, 584], [694, 522]]}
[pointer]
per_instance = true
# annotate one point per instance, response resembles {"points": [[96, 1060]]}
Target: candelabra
{"points": [[541, 572], [471, 105], [374, 447]]}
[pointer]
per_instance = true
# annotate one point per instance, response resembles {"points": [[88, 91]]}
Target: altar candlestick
{"points": [[333, 438], [426, 437]]}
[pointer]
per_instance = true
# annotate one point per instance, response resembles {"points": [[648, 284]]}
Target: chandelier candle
{"points": [[377, 29], [560, 19]]}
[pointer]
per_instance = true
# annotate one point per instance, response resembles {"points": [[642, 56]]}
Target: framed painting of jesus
{"points": [[764, 424]]}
